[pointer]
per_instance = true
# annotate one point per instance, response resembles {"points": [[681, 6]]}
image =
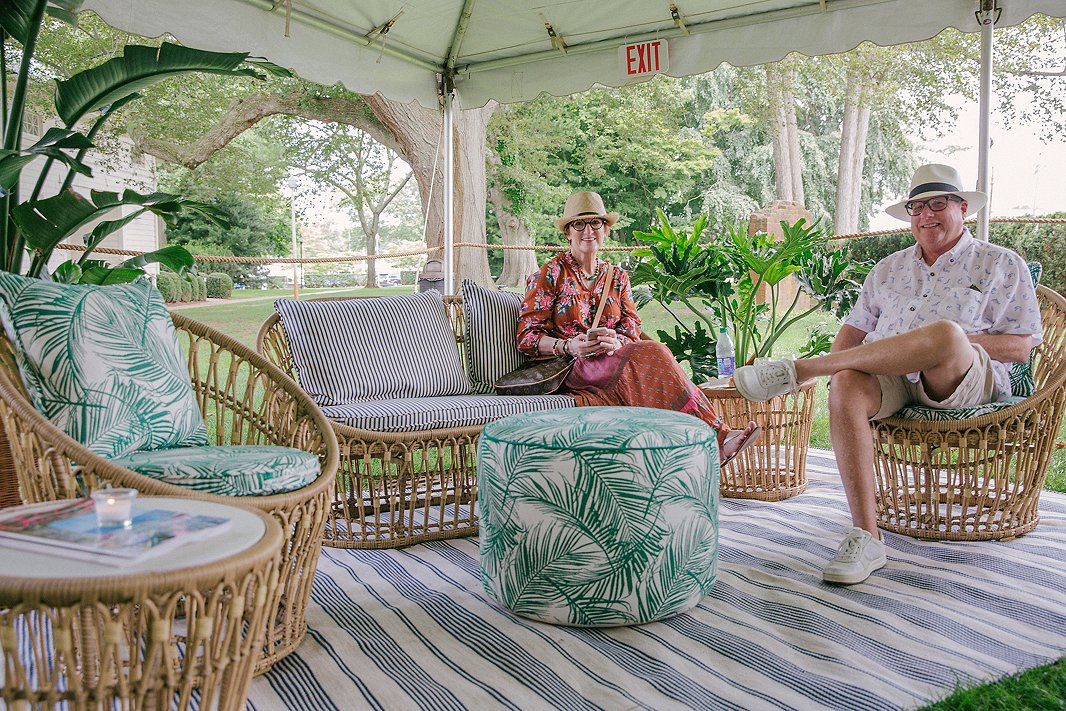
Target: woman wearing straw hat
{"points": [[614, 366]]}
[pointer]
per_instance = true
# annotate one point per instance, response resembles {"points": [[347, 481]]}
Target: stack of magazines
{"points": [[70, 530]]}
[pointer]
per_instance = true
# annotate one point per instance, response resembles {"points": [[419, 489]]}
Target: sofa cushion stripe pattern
{"points": [[419, 414], [102, 363], [386, 347], [490, 334]]}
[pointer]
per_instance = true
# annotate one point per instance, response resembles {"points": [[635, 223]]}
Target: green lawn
{"points": [[1040, 688]]}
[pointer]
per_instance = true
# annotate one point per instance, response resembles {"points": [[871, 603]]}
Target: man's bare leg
{"points": [[854, 398], [940, 351]]}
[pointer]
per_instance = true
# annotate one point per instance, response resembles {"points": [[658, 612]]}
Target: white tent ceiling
{"points": [[501, 49]]}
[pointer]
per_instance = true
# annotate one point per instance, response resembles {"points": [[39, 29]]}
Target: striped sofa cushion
{"points": [[446, 413], [386, 347], [490, 331]]}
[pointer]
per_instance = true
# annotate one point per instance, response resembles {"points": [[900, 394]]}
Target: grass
{"points": [[1042, 688]]}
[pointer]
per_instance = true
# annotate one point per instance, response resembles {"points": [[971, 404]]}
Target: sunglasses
{"points": [[595, 223], [936, 204]]}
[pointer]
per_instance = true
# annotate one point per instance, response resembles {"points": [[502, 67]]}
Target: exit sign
{"points": [[644, 58]]}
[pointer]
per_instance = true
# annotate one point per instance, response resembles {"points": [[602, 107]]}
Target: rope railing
{"points": [[481, 245]]}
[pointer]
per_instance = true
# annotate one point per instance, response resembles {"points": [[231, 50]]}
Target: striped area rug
{"points": [[412, 628]]}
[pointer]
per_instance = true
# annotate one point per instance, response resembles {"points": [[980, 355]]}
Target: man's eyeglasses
{"points": [[595, 223], [936, 204]]}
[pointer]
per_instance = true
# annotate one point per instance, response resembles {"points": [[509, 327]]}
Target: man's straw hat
{"points": [[932, 180], [585, 206]]}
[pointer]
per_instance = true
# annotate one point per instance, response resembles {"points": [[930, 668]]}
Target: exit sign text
{"points": [[644, 58]]}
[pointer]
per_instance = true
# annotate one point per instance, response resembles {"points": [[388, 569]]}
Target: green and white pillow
{"points": [[231, 470], [102, 363], [490, 333]]}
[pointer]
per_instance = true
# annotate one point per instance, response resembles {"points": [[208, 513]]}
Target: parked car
{"points": [[388, 280]]}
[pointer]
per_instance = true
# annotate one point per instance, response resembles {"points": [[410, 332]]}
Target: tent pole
{"points": [[449, 194], [986, 15]]}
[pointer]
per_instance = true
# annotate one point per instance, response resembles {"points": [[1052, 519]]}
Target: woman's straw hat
{"points": [[585, 206], [932, 180]]}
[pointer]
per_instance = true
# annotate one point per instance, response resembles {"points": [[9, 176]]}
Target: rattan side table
{"points": [[185, 627]]}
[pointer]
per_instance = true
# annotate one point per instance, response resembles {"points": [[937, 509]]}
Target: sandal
{"points": [[736, 441]]}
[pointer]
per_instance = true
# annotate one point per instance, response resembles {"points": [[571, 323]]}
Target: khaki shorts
{"points": [[975, 389]]}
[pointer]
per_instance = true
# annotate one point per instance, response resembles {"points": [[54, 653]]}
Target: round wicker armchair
{"points": [[244, 400], [978, 478]]}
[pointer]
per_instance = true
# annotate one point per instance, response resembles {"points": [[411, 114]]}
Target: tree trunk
{"points": [[788, 161], [471, 194], [517, 263], [852, 158], [779, 131], [418, 132]]}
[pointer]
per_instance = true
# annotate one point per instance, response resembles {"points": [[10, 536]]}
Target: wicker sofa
{"points": [[397, 488], [247, 401]]}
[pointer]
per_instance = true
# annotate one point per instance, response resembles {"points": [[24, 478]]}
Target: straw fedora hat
{"points": [[932, 180], [584, 206]]}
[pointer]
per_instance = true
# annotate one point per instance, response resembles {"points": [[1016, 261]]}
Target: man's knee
{"points": [[853, 390], [946, 334]]}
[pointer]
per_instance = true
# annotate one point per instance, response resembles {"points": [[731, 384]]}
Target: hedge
{"points": [[169, 286], [219, 285]]}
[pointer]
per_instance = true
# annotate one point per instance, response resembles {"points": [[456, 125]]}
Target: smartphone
{"points": [[599, 331]]}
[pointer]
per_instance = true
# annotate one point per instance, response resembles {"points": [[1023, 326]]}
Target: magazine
{"points": [[70, 530]]}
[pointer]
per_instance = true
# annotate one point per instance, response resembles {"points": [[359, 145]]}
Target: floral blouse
{"points": [[560, 303]]}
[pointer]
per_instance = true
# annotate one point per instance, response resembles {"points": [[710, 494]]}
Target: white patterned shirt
{"points": [[983, 287]]}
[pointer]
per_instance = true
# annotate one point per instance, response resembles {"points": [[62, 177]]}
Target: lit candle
{"points": [[114, 507]]}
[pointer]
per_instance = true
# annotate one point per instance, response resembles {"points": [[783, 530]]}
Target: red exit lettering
{"points": [[645, 58]]}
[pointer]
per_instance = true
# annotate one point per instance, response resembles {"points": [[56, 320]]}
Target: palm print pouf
{"points": [[598, 516]]}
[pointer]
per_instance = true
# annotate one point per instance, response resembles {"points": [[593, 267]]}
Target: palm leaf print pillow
{"points": [[102, 363]]}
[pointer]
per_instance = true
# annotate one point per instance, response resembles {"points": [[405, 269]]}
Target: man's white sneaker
{"points": [[859, 555], [765, 380]]}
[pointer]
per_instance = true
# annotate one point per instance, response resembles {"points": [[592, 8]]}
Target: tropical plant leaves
{"points": [[16, 16], [140, 67]]}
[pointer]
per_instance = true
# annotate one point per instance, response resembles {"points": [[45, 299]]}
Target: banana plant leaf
{"points": [[46, 223], [140, 67], [51, 146], [16, 16]]}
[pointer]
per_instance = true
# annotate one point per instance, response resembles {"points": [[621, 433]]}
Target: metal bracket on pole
{"points": [[987, 15]]}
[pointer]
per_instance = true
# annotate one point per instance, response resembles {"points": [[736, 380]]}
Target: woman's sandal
{"points": [[736, 441]]}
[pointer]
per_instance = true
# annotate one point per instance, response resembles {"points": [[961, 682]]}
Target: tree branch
{"points": [[247, 112]]}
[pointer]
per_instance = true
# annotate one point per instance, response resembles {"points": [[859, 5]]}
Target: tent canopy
{"points": [[511, 51]]}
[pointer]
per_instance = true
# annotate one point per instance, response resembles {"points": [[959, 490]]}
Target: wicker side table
{"points": [[775, 467], [184, 627]]}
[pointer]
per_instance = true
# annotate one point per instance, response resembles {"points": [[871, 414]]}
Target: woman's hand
{"points": [[596, 342]]}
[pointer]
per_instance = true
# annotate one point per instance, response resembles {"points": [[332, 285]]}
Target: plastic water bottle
{"points": [[726, 354]]}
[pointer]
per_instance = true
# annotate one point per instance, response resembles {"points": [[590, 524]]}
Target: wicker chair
{"points": [[244, 400], [395, 488], [978, 478]]}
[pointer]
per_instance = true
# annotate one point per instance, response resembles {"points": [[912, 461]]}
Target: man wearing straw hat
{"points": [[936, 325]]}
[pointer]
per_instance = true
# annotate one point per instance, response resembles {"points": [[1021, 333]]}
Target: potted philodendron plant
{"points": [[32, 225], [736, 281]]}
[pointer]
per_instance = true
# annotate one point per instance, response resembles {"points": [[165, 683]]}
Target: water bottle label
{"points": [[726, 366]]}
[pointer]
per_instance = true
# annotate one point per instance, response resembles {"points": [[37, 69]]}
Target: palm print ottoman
{"points": [[598, 516]]}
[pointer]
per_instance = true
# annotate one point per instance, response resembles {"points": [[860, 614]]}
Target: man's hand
{"points": [[1004, 347]]}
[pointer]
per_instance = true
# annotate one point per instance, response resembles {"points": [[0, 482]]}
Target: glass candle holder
{"points": [[114, 507]]}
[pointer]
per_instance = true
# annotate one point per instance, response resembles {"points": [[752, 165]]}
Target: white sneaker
{"points": [[766, 380], [859, 555]]}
